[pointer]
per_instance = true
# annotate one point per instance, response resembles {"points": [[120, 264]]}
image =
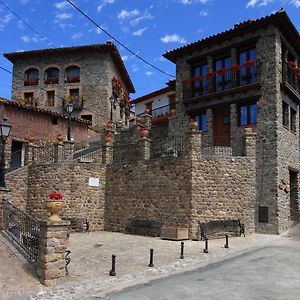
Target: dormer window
{"points": [[51, 76], [31, 77], [72, 74]]}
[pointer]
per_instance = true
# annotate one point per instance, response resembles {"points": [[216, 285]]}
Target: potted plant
{"points": [[235, 67], [144, 132], [107, 137], [54, 205], [193, 124]]}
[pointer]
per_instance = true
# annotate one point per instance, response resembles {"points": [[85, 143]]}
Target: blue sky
{"points": [[148, 27]]}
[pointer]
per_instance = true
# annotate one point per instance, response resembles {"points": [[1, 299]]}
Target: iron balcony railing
{"points": [[291, 75], [215, 82], [22, 229], [169, 147], [160, 113]]}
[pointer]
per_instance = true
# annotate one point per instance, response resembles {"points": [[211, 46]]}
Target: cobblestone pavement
{"points": [[91, 262]]}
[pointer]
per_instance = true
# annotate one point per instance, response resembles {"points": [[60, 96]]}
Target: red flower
{"points": [[249, 63], [55, 196], [235, 67], [291, 64], [221, 71], [199, 78], [210, 74], [297, 71]]}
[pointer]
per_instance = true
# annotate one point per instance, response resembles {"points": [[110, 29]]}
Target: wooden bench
{"points": [[143, 227], [219, 228]]}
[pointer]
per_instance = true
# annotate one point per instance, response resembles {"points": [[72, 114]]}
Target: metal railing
{"points": [[91, 156], [290, 76], [22, 228], [169, 147], [125, 152], [205, 85], [220, 147]]}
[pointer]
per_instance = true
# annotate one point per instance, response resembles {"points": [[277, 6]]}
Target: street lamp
{"points": [[5, 128], [112, 101], [69, 109]]}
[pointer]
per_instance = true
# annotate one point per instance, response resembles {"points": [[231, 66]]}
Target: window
{"points": [[263, 214], [199, 86], [51, 76], [285, 114], [223, 77], [50, 98], [87, 117], [28, 97], [201, 121], [293, 120], [74, 94], [31, 77], [248, 114], [54, 121], [149, 107], [247, 61], [72, 74]]}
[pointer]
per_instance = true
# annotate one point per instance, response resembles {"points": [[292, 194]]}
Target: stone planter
{"points": [[54, 207], [174, 233]]}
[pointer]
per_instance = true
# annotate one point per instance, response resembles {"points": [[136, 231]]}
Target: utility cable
{"points": [[117, 41]]}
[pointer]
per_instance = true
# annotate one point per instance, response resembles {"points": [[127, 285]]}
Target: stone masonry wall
{"points": [[72, 181]]}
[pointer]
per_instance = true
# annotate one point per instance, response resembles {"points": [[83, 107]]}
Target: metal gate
{"points": [[22, 228]]}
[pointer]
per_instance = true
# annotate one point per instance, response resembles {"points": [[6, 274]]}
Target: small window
{"points": [[293, 120], [31, 77], [201, 120], [263, 214], [73, 74], [54, 121], [28, 97], [87, 117], [74, 94], [248, 114], [50, 98], [285, 114]]}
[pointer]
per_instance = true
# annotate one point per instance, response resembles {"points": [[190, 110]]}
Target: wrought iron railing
{"points": [[291, 76], [125, 152], [169, 147], [22, 229], [89, 156], [216, 82]]}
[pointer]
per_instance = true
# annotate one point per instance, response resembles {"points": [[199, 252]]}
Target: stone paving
{"points": [[91, 261]]}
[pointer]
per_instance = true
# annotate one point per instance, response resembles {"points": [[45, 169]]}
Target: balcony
{"points": [[161, 114], [222, 82], [31, 82], [291, 79], [53, 80]]}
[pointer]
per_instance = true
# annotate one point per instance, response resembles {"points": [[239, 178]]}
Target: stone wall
{"points": [[72, 181]]}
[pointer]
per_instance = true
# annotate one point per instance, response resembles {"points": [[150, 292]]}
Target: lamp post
{"points": [[69, 109], [112, 101], [5, 128]]}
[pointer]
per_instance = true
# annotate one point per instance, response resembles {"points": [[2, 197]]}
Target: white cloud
{"points": [[63, 16], [173, 38], [203, 13], [146, 15], [104, 3], [25, 38], [124, 57], [185, 2], [33, 39], [62, 4], [296, 3], [77, 35], [148, 73], [140, 31], [253, 3], [124, 14], [5, 20], [134, 68]]}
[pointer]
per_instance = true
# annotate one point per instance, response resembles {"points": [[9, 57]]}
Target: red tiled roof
{"points": [[162, 91], [109, 47], [279, 18], [41, 110]]}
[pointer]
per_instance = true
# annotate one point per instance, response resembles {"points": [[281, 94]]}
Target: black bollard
{"points": [[182, 249], [112, 272], [151, 258], [226, 241], [206, 246]]}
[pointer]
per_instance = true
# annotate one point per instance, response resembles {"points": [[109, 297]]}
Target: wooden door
{"points": [[221, 125]]}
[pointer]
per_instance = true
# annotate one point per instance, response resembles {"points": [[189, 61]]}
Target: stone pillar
{"points": [[51, 260], [68, 150], [145, 149], [107, 153], [193, 145], [250, 142], [147, 122], [58, 152], [29, 153], [5, 194]]}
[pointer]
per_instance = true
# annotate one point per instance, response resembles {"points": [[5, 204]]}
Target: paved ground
{"points": [[91, 262]]}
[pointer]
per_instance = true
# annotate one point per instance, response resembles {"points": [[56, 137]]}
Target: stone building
{"points": [[85, 75], [248, 76]]}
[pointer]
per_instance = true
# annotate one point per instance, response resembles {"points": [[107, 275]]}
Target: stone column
{"points": [[193, 145], [145, 149], [107, 153], [250, 142], [58, 152], [29, 153], [68, 150], [51, 260], [5, 194], [147, 122]]}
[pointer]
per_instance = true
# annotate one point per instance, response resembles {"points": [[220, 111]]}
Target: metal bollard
{"points": [[112, 272], [181, 251], [226, 241], [206, 246], [151, 258]]}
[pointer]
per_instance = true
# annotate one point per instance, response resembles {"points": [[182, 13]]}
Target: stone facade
{"points": [[277, 147]]}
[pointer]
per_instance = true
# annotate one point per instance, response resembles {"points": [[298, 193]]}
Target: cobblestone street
{"points": [[91, 262]]}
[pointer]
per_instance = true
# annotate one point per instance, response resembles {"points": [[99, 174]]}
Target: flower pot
{"points": [[60, 138], [108, 137], [31, 139], [54, 207], [193, 125], [144, 132]]}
